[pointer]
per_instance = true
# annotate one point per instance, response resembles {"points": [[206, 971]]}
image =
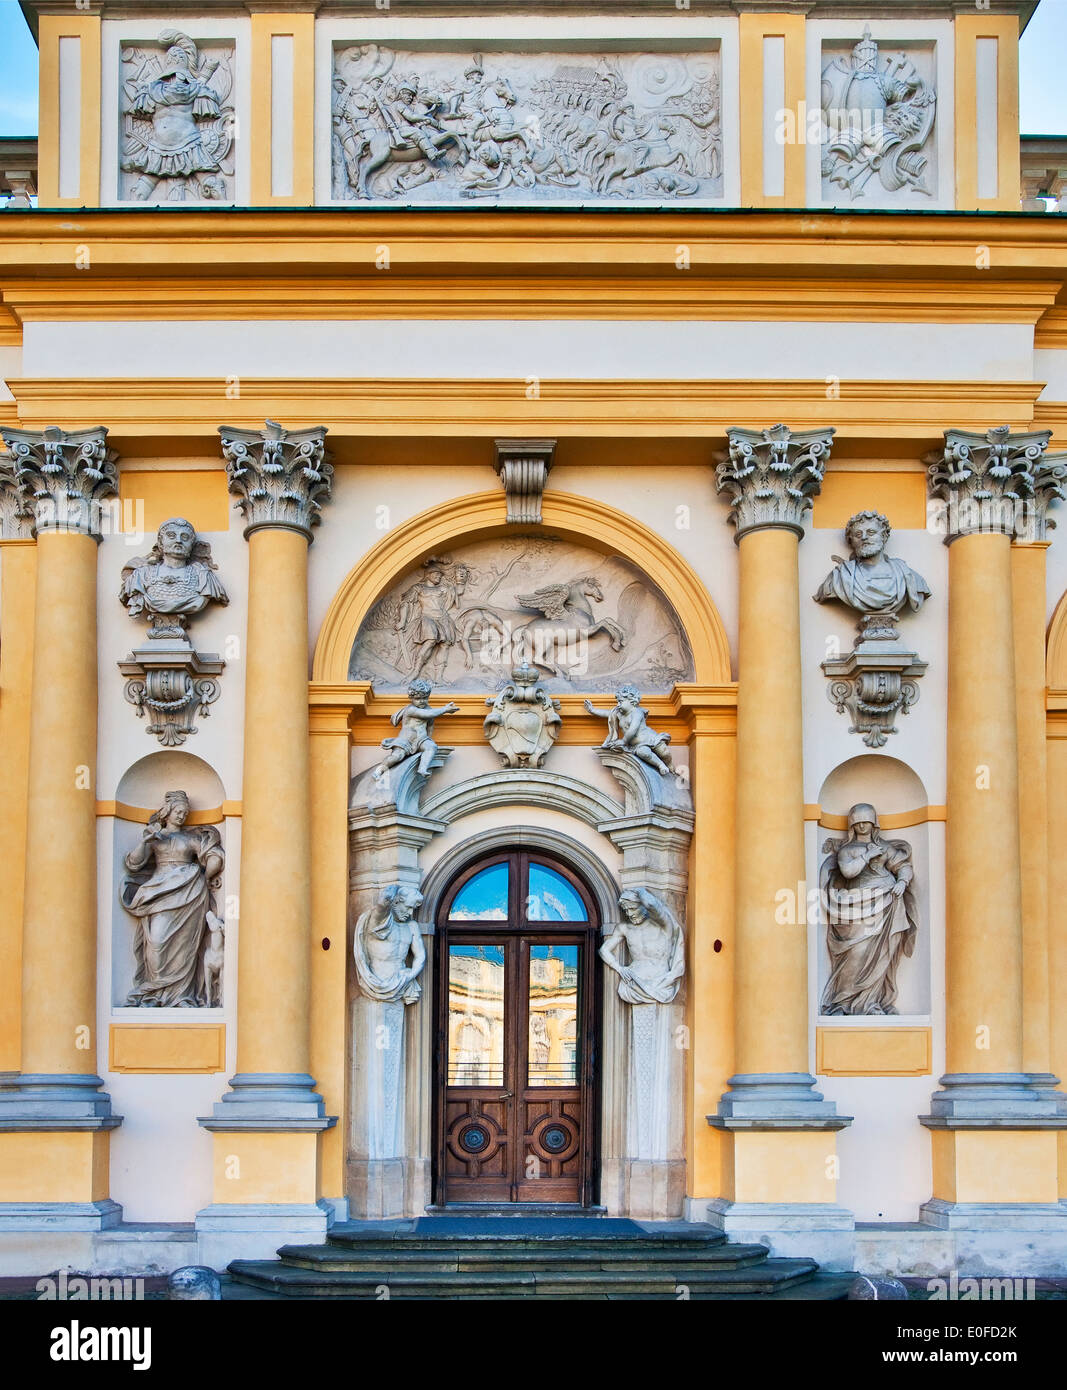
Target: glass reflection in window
{"points": [[551, 898], [483, 898], [553, 1041], [475, 1016]]}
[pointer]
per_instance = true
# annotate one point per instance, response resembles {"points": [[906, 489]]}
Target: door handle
{"points": [[506, 1095]]}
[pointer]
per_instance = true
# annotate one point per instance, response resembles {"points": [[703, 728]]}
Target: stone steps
{"points": [[452, 1260]]}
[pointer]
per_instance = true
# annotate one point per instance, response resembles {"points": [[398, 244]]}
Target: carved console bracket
{"points": [[875, 681], [173, 683], [523, 466]]}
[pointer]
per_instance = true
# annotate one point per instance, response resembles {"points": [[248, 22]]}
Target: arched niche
{"points": [[898, 795], [482, 516], [144, 782]]}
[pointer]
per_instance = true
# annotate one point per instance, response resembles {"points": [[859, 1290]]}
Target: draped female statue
{"points": [[171, 880]]}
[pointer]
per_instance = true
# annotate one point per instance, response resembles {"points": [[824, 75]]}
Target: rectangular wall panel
{"points": [[281, 115], [773, 103], [70, 116], [987, 132]]}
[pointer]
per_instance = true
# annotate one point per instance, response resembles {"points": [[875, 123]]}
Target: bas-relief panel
{"points": [[585, 620], [425, 127], [879, 110]]}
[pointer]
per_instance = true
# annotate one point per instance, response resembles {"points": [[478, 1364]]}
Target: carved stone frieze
{"points": [[878, 112], [64, 477], [416, 125], [990, 482], [523, 721], [523, 466], [876, 680], [584, 620], [177, 121], [172, 879], [280, 477], [772, 476]]}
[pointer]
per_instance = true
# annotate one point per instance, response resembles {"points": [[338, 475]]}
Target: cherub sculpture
{"points": [[415, 739], [628, 731]]}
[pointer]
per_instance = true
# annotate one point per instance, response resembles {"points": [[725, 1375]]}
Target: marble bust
{"points": [[871, 581], [173, 581]]}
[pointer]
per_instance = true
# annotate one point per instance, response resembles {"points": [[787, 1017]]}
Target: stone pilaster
{"points": [[54, 1122], [270, 1119]]}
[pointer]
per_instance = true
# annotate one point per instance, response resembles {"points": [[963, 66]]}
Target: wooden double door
{"points": [[516, 1035]]}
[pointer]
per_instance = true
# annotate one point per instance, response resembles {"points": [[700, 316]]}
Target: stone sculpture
{"points": [[879, 114], [166, 677], [866, 888], [177, 128], [540, 126], [169, 889], [628, 731], [876, 680], [655, 944], [386, 935], [415, 739], [524, 721], [173, 581]]}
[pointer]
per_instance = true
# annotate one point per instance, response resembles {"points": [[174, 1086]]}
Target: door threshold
{"points": [[519, 1209]]}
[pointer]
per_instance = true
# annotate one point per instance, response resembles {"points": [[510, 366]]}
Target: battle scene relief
{"points": [[417, 126], [582, 620]]}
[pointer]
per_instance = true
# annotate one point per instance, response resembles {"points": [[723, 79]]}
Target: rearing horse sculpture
{"points": [[553, 641]]}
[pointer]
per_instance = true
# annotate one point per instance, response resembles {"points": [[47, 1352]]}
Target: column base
{"points": [[644, 1189], [1004, 1238], [228, 1231], [822, 1231], [382, 1189], [60, 1216], [64, 1100], [996, 1100], [269, 1101], [776, 1100]]}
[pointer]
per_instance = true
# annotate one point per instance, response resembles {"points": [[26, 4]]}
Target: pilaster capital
{"points": [[62, 478], [997, 482], [772, 476], [280, 477], [16, 516]]}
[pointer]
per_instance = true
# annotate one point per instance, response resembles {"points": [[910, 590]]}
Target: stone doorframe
{"points": [[651, 827]]}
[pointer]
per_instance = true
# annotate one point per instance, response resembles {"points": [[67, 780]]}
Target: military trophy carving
{"points": [[169, 890], [166, 677], [866, 886], [524, 720], [875, 681]]}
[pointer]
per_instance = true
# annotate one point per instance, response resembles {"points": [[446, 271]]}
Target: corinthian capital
{"points": [[994, 482], [62, 478], [772, 476], [16, 516], [280, 477]]}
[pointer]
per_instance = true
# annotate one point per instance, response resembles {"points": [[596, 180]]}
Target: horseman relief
{"points": [[581, 621], [421, 127]]}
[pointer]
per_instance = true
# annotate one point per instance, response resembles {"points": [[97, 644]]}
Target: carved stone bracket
{"points": [[64, 477], [523, 466], [172, 683], [992, 482], [772, 476], [280, 477], [875, 681], [399, 788]]}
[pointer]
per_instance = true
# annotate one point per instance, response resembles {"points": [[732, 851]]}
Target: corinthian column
{"points": [[993, 1127], [54, 1122], [269, 1120], [778, 1121]]}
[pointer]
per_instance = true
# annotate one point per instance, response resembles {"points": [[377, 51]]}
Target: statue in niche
{"points": [[173, 581], [872, 581], [628, 731], [866, 886], [524, 721], [170, 886], [415, 739], [386, 936], [177, 129], [655, 945]]}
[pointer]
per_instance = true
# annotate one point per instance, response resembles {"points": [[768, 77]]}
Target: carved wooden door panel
{"points": [[516, 1040]]}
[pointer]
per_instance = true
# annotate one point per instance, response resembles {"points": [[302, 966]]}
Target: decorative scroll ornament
{"points": [[992, 482], [166, 677], [524, 721], [628, 731], [872, 919], [523, 466], [64, 478], [772, 476], [170, 890], [178, 127], [16, 515], [878, 118], [385, 937], [876, 680], [280, 477]]}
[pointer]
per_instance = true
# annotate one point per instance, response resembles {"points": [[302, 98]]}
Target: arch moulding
{"points": [[1056, 649], [481, 515]]}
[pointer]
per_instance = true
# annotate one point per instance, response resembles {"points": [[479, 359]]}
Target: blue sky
{"points": [[1043, 91]]}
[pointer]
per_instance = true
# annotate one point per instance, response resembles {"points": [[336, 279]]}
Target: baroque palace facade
{"points": [[533, 661]]}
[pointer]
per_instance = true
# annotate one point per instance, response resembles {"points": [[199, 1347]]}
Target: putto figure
{"points": [[416, 722], [169, 890], [871, 916], [655, 944], [386, 935], [177, 130], [628, 731], [173, 581]]}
